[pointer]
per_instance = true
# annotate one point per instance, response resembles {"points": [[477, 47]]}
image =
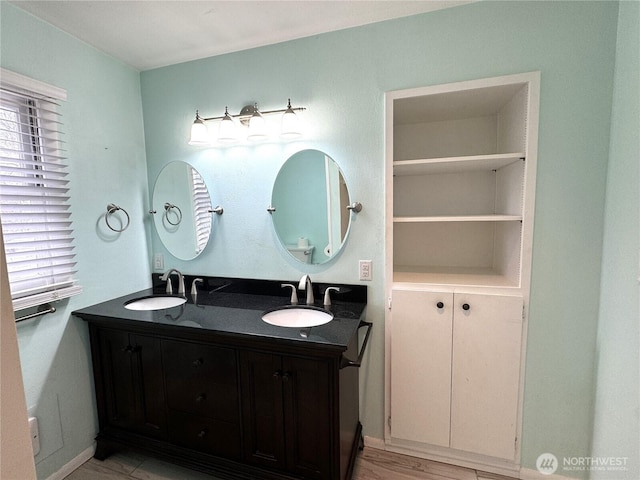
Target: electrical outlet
{"points": [[366, 272], [158, 261]]}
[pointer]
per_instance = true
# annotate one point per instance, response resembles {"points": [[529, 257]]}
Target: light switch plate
{"points": [[158, 261]]}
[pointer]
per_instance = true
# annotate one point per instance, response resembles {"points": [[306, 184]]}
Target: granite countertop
{"points": [[235, 306]]}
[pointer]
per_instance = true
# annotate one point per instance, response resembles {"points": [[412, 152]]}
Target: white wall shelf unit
{"points": [[460, 170]]}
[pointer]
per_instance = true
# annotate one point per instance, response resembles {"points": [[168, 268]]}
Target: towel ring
{"points": [[167, 208], [111, 209]]}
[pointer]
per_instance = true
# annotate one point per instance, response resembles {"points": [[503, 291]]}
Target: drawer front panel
{"points": [[205, 399], [205, 435], [201, 379]]}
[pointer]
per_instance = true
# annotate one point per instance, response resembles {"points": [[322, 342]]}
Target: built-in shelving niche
{"points": [[459, 168]]}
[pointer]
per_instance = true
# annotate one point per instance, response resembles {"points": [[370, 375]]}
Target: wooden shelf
{"points": [[429, 166], [480, 277], [459, 218]]}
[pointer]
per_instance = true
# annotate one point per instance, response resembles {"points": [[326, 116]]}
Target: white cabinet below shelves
{"points": [[455, 370]]}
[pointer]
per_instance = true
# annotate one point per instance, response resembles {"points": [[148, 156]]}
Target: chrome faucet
{"points": [[305, 284], [166, 277]]}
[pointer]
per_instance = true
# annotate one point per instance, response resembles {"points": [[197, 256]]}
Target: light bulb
{"points": [[227, 132], [290, 124], [199, 132], [257, 127]]}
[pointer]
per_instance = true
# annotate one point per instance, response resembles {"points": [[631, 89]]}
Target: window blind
{"points": [[34, 198], [201, 210]]}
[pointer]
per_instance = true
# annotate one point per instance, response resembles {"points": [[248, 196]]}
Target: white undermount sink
{"points": [[298, 317], [157, 302]]}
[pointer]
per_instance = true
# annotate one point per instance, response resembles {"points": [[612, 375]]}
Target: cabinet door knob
{"points": [[277, 374], [202, 433], [465, 306], [201, 398], [440, 305], [198, 362], [286, 376]]}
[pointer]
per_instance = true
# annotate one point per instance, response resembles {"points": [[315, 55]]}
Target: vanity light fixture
{"points": [[249, 123]]}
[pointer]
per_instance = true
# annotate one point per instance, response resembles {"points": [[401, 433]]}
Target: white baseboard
{"points": [[453, 457], [75, 463]]}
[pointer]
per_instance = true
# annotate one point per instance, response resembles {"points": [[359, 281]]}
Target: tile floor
{"points": [[371, 464]]}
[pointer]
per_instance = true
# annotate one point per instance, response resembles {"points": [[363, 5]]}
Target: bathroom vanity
{"points": [[211, 386]]}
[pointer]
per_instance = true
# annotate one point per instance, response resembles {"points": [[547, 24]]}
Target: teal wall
{"points": [[341, 77], [103, 126], [617, 415]]}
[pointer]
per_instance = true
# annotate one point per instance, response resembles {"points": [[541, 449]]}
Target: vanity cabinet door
{"points": [[131, 376], [308, 425], [262, 408], [287, 413]]}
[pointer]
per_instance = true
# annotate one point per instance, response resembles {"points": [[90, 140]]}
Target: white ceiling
{"points": [[149, 34]]}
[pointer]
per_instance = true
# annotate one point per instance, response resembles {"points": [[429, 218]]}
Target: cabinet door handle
{"points": [[440, 305], [197, 362], [465, 306], [278, 375], [202, 433], [201, 398]]}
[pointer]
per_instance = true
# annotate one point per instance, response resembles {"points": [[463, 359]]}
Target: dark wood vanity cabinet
{"points": [[250, 409]]}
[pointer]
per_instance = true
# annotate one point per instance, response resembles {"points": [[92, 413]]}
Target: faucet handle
{"points": [[327, 295], [194, 289], [169, 288], [294, 294]]}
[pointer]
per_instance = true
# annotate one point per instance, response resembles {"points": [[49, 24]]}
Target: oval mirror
{"points": [[309, 203], [182, 208]]}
